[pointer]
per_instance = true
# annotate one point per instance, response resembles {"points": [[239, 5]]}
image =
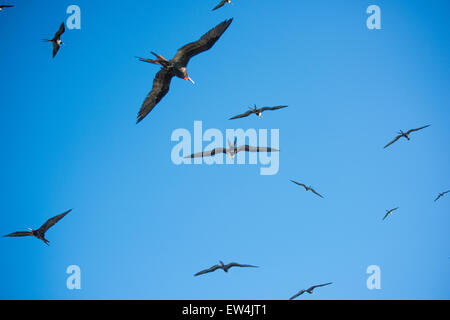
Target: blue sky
{"points": [[142, 226]]}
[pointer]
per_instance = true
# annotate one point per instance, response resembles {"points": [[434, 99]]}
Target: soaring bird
{"points": [[307, 188], [257, 111], [224, 267], [57, 39], [388, 212], [231, 151], [221, 4], [5, 6], [177, 66], [441, 195], [405, 135], [40, 233], [309, 290]]}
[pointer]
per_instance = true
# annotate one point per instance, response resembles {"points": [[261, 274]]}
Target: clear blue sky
{"points": [[142, 226]]}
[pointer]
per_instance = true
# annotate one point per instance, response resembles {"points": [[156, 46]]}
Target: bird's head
{"points": [[185, 75], [221, 263]]}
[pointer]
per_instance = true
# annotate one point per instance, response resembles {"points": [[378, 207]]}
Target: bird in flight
{"points": [[388, 212], [231, 151], [309, 290], [5, 6], [257, 111], [177, 66], [221, 4], [57, 39], [441, 195], [405, 135], [307, 188], [224, 267], [40, 233]]}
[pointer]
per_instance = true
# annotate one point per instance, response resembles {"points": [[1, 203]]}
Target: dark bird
{"points": [[40, 233], [388, 212], [307, 188], [309, 290], [57, 39], [221, 4], [231, 151], [405, 135], [177, 66], [5, 6], [224, 267], [441, 195], [257, 111]]}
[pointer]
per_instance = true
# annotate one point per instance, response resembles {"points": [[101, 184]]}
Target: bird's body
{"points": [[388, 212], [56, 41], [405, 135], [221, 4], [231, 151], [177, 66], [2, 6], [224, 267], [441, 195], [40, 233], [310, 290], [307, 188], [257, 111]]}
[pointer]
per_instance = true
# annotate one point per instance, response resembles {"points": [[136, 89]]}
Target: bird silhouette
{"points": [[224, 267]]}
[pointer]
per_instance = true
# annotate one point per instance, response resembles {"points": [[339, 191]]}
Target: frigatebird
{"points": [[307, 188], [405, 135], [57, 39], [231, 151], [221, 4], [5, 6], [441, 195], [310, 290], [177, 66], [224, 267], [40, 233], [257, 111], [388, 212]]}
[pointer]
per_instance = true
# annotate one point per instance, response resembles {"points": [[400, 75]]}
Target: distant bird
{"points": [[441, 195], [5, 6], [57, 39], [388, 212], [40, 233], [307, 188], [405, 135], [224, 267], [231, 151], [177, 66], [221, 4], [309, 290], [257, 111]]}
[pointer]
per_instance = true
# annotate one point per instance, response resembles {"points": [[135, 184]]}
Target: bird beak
{"points": [[189, 79]]}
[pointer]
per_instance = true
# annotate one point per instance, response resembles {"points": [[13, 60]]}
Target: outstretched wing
{"points": [[417, 129], [19, 234], [396, 138], [315, 192], [55, 48], [185, 53], [161, 85], [385, 216], [212, 269], [298, 183], [209, 153], [61, 30], [319, 285], [235, 264], [256, 149], [6, 6], [220, 5], [297, 294], [246, 114], [52, 221], [272, 108]]}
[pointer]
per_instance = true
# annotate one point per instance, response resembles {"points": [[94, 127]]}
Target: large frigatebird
{"points": [[307, 188], [310, 290], [257, 111], [405, 135], [5, 6], [224, 267], [232, 150], [177, 66], [388, 212], [221, 4], [40, 233], [56, 41], [441, 195]]}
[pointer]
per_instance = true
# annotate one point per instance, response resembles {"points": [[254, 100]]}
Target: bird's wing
{"points": [[437, 198], [395, 209], [272, 108], [204, 43], [243, 115], [315, 192], [209, 153], [255, 149], [220, 5], [161, 85], [212, 269], [61, 30], [51, 222], [319, 285], [19, 234], [55, 48], [385, 216], [298, 294], [300, 184], [396, 138], [235, 264], [6, 6], [417, 129]]}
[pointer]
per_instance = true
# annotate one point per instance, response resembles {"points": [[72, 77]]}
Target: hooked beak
{"points": [[189, 79]]}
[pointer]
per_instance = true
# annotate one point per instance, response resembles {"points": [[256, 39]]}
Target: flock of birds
{"points": [[177, 66]]}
